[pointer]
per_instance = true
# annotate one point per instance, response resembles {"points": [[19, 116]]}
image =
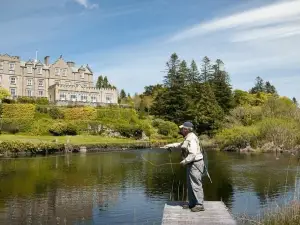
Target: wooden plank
{"points": [[215, 213]]}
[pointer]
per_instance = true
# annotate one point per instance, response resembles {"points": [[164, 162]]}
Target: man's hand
{"points": [[182, 163]]}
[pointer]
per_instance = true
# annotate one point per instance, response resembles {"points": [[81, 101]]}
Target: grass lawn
{"points": [[79, 139]]}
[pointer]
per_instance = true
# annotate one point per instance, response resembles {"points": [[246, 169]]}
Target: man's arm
{"points": [[173, 145], [191, 146]]}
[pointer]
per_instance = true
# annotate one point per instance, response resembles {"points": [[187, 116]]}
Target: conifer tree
{"points": [[99, 82], [269, 88], [258, 87], [206, 70]]}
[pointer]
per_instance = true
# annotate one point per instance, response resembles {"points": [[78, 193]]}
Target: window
{"points": [[29, 69], [108, 99], [11, 66], [41, 83], [83, 98], [57, 71], [64, 72], [13, 91], [39, 70], [0, 79], [1, 65], [82, 75], [41, 93], [13, 80], [73, 97], [63, 96], [93, 98], [29, 92], [29, 82]]}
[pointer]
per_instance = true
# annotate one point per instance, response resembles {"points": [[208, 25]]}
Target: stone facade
{"points": [[37, 79]]}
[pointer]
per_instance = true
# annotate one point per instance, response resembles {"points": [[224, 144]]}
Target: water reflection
{"points": [[121, 188]]}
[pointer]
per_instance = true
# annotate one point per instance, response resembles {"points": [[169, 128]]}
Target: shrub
{"points": [[18, 111], [238, 136], [80, 113], [56, 113], [42, 101], [62, 128], [244, 115], [28, 100], [41, 109], [8, 101], [41, 126], [165, 127], [281, 132]]}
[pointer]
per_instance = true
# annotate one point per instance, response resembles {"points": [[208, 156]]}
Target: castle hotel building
{"points": [[63, 83]]}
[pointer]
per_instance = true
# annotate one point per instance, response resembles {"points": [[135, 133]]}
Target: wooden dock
{"points": [[215, 213]]}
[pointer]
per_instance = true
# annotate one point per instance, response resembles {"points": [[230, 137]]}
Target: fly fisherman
{"points": [[193, 159]]}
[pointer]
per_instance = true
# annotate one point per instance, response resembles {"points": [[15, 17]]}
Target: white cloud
{"points": [[86, 4], [267, 15]]}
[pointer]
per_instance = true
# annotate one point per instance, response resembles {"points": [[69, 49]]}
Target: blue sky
{"points": [[130, 40]]}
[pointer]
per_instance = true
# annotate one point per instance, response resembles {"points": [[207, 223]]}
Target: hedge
{"points": [[18, 111], [80, 113], [18, 146]]}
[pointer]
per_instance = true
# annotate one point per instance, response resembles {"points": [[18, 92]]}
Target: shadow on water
{"points": [[121, 188]]}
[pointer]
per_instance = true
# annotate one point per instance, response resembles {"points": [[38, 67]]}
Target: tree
{"points": [[193, 74], [99, 83], [269, 88], [105, 82], [295, 101], [221, 87], [204, 109], [122, 94], [172, 67], [258, 87], [4, 93], [206, 70]]}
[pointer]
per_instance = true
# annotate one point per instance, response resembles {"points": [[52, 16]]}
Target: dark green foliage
{"points": [[269, 88], [122, 94], [206, 70], [8, 101], [42, 101], [103, 83], [295, 101], [165, 127], [56, 113], [259, 86]]}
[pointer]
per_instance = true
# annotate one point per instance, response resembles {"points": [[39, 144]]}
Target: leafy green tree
{"points": [[4, 93], [105, 82]]}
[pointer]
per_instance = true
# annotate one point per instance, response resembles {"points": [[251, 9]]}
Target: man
{"points": [[193, 159]]}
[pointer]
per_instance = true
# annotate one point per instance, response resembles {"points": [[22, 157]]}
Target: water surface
{"points": [[121, 188]]}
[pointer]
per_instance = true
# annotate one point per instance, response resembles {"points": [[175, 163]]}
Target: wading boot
{"points": [[198, 208]]}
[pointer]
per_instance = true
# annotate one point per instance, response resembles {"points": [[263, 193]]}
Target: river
{"points": [[121, 188]]}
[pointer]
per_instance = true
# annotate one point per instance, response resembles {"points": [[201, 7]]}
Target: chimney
{"points": [[71, 64], [46, 60]]}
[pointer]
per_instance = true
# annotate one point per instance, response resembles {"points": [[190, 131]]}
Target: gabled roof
{"points": [[88, 69], [29, 62], [39, 63], [82, 68]]}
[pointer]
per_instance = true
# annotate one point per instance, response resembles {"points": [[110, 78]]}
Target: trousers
{"points": [[194, 183]]}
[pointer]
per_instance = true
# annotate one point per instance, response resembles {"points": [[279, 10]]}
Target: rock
{"points": [[247, 149], [270, 147], [231, 148], [144, 137]]}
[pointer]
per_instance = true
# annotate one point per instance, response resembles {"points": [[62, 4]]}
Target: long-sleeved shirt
{"points": [[191, 147]]}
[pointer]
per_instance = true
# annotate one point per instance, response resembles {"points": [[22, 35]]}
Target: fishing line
{"points": [[158, 165]]}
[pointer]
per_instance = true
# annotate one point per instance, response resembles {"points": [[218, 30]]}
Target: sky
{"points": [[130, 41]]}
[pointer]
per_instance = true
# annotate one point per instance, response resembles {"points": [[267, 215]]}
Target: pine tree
{"points": [[105, 82], [193, 75], [172, 67], [221, 87], [206, 70], [204, 109], [99, 82], [122, 94], [295, 101], [269, 88], [258, 87]]}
